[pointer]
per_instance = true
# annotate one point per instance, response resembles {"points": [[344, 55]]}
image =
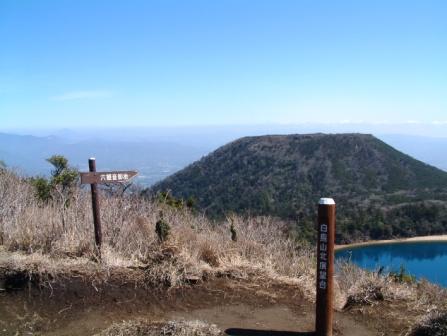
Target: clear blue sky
{"points": [[150, 63]]}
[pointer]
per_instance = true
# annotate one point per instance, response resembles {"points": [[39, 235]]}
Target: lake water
{"points": [[422, 259]]}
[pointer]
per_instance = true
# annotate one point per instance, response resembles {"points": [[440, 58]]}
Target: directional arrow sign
{"points": [[107, 177], [93, 178]]}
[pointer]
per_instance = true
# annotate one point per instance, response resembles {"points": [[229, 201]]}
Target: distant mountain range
{"points": [[380, 192], [159, 152], [154, 160]]}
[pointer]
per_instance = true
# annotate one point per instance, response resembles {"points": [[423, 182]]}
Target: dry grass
{"points": [[433, 324], [171, 328], [406, 303], [48, 237], [364, 287]]}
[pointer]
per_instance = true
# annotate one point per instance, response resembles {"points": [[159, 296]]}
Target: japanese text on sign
{"points": [[114, 177], [322, 252]]}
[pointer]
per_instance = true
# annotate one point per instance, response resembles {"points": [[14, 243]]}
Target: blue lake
{"points": [[422, 259]]}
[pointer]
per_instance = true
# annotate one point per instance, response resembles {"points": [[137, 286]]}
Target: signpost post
{"points": [[94, 178], [95, 207], [325, 267]]}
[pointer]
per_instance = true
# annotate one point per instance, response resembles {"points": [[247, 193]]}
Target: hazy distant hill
{"points": [[380, 191], [153, 160]]}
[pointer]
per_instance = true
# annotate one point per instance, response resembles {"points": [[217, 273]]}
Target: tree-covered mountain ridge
{"points": [[380, 192]]}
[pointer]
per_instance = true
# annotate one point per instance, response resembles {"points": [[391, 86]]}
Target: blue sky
{"points": [[156, 63]]}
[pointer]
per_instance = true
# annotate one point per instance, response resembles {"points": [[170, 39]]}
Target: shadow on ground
{"points": [[254, 332]]}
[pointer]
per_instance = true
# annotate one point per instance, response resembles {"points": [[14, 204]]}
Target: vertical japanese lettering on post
{"points": [[322, 261]]}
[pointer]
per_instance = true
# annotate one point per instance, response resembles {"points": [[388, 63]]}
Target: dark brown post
{"points": [[95, 207], [325, 267]]}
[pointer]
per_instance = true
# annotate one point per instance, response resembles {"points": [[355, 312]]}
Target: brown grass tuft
{"points": [[171, 328], [208, 254]]}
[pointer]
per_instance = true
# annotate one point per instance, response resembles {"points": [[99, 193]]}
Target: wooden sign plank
{"points": [[107, 177]]}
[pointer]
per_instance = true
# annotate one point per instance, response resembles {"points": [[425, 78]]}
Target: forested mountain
{"points": [[380, 192]]}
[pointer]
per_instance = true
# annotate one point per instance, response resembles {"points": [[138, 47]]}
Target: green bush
{"points": [[43, 189], [60, 185], [402, 276], [162, 229]]}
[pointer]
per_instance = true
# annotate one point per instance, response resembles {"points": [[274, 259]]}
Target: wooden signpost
{"points": [[94, 178], [325, 267]]}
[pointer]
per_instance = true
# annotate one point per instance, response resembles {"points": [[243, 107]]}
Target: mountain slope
{"points": [[284, 176]]}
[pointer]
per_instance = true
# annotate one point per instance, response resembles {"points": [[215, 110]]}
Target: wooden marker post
{"points": [[94, 178], [95, 207], [325, 267]]}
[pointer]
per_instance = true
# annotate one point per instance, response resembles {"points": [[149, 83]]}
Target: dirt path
{"points": [[274, 320], [237, 307]]}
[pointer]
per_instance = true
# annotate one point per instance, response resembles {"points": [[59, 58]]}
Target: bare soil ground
{"points": [[238, 307]]}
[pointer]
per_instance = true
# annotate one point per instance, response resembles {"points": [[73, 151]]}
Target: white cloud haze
{"points": [[76, 95]]}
